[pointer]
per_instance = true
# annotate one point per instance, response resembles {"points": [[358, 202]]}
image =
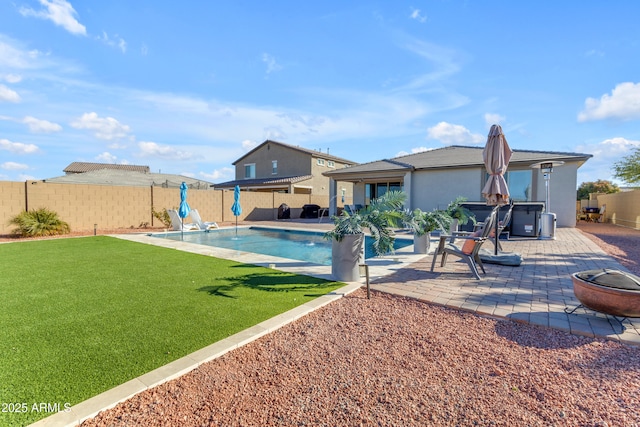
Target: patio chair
{"points": [[501, 226], [469, 250], [202, 225], [176, 222]]}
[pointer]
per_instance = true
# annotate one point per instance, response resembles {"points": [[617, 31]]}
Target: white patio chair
{"points": [[177, 223], [203, 225]]}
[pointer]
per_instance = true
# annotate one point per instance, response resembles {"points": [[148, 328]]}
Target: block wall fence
{"points": [[107, 207]]}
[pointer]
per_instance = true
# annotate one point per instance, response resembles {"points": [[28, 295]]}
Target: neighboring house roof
{"points": [[82, 167], [313, 153], [455, 156], [263, 182], [132, 178]]}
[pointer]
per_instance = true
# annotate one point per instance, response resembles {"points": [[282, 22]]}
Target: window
{"points": [[331, 164], [373, 191], [320, 162], [250, 170], [519, 183], [274, 167]]}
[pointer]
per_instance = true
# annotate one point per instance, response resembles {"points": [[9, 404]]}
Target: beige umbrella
{"points": [[496, 156]]}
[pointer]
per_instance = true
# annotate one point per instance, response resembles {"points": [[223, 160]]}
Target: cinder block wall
{"points": [[83, 205]]}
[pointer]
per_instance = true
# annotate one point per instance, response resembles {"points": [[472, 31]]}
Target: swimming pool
{"points": [[300, 245]]}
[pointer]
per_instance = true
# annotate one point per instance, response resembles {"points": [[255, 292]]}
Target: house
{"points": [[124, 177], [277, 167], [82, 167], [431, 179]]}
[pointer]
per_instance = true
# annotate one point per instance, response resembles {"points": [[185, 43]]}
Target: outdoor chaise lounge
{"points": [[203, 225], [469, 250], [176, 222]]}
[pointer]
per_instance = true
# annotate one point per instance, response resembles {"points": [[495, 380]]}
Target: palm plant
{"points": [[40, 222], [380, 218], [421, 222], [459, 212]]}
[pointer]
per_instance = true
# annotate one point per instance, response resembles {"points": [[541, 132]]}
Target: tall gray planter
{"points": [[346, 257], [421, 243]]}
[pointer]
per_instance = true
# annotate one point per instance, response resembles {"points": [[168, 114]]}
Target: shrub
{"points": [[162, 216], [40, 222]]}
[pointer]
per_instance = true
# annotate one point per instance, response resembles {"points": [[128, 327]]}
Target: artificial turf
{"points": [[82, 315]]}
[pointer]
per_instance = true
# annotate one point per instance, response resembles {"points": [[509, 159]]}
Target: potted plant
{"points": [[423, 223], [347, 250], [459, 214]]}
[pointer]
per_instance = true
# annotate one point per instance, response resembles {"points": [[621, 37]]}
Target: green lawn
{"points": [[82, 315]]}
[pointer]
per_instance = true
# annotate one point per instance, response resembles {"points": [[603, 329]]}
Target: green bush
{"points": [[162, 216], [40, 222]]}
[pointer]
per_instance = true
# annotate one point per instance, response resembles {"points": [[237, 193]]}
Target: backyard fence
{"points": [[86, 206]]}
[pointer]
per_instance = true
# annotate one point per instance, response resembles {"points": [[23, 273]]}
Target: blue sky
{"points": [[189, 87]]}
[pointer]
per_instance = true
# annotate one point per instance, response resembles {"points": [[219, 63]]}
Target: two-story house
{"points": [[277, 167]]}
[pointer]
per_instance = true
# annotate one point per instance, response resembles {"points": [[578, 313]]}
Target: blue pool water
{"points": [[300, 245]]}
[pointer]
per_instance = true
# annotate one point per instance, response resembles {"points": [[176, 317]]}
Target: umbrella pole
{"points": [[181, 228], [495, 251], [236, 226]]}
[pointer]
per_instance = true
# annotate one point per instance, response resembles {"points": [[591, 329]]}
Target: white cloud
{"points": [[249, 145], [152, 149], [493, 118], [106, 157], [118, 41], [41, 126], [11, 78], [14, 56], [106, 128], [605, 154], [448, 133], [60, 12], [13, 166], [272, 65], [413, 151], [610, 149], [18, 147], [222, 174], [417, 15], [8, 95], [623, 103]]}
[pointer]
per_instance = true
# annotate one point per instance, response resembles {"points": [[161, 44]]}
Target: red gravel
{"points": [[393, 361]]}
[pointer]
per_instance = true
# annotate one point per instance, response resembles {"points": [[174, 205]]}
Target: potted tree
{"points": [[423, 223], [459, 214], [347, 250]]}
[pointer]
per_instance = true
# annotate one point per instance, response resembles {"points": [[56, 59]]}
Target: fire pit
{"points": [[608, 291]]}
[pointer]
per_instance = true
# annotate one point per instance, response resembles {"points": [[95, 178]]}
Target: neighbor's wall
{"points": [[83, 205], [622, 208]]}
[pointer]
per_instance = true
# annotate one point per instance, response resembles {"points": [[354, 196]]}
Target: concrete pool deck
{"points": [[537, 292]]}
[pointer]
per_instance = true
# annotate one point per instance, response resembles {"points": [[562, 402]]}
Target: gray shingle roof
{"points": [[133, 178], [81, 167], [263, 181], [456, 156]]}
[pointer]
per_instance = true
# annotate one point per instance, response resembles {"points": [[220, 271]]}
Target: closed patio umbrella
{"points": [[496, 156], [184, 209], [236, 208]]}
